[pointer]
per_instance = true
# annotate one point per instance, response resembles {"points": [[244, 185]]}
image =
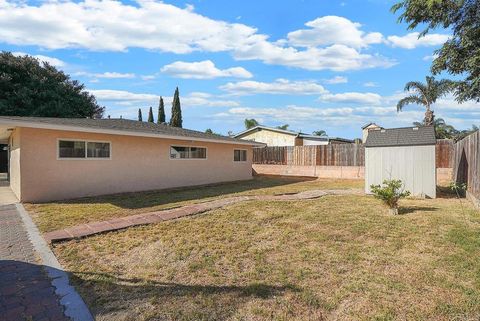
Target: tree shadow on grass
{"points": [[109, 294], [145, 199]]}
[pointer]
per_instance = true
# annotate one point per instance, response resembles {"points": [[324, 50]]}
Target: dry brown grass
{"points": [[56, 215], [335, 258]]}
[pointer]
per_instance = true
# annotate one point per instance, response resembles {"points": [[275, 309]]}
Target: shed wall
{"points": [[414, 165]]}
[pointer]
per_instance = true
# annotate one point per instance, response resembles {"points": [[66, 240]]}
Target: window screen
{"points": [[71, 149], [98, 150], [182, 152], [240, 155]]}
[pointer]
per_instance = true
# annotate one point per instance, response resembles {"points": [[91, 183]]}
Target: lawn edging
{"points": [[74, 306]]}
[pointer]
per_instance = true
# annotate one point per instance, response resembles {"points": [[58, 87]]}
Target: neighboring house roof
{"points": [[289, 132], [342, 139], [369, 124], [407, 136], [258, 128], [119, 127], [313, 137]]}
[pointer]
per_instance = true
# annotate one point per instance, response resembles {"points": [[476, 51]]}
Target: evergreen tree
{"points": [[150, 115], [161, 111], [30, 87], [176, 120], [140, 114]]}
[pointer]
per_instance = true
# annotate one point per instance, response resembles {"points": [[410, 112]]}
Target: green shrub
{"points": [[390, 192]]}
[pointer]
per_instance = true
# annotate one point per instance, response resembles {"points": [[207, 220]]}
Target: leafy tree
{"points": [[284, 127], [460, 54], [150, 115], [425, 94], [29, 87], [320, 133], [140, 114], [445, 131], [176, 119], [250, 123], [161, 111]]}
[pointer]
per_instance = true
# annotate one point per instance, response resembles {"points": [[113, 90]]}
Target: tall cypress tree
{"points": [[161, 111], [150, 115], [176, 120], [139, 114]]}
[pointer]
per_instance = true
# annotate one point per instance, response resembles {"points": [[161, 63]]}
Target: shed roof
{"points": [[407, 136], [118, 126]]}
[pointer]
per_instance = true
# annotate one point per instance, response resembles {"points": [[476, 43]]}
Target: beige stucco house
{"points": [[280, 137], [62, 158]]}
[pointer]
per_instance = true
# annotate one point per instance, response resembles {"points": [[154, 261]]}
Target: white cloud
{"points": [[279, 86], [336, 80], [329, 30], [51, 60], [126, 98], [429, 57], [370, 84], [411, 40], [203, 70], [352, 97], [114, 75], [115, 26]]}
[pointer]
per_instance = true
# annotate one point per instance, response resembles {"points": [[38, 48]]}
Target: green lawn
{"points": [[333, 258], [53, 216]]}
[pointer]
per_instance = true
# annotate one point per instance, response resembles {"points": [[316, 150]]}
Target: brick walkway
{"points": [[25, 290], [164, 215]]}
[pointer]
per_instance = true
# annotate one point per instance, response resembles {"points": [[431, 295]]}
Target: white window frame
{"points": [[86, 141], [240, 161], [187, 159]]}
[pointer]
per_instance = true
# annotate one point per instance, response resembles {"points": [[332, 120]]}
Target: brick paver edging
{"points": [[164, 215]]}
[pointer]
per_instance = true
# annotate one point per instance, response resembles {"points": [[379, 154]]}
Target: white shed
{"points": [[407, 154]]}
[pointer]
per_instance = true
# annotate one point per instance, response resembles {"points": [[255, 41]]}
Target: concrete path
{"points": [[26, 292], [164, 215], [6, 195]]}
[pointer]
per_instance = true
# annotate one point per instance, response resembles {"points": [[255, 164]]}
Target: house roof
{"points": [[289, 132], [118, 127], [259, 127], [365, 126], [407, 136]]}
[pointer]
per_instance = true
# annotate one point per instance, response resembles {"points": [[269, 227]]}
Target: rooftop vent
{"points": [[415, 128]]}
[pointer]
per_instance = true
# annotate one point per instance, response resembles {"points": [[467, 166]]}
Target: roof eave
{"points": [[38, 125]]}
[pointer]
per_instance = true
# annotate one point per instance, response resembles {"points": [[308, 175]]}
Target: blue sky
{"points": [[312, 64]]}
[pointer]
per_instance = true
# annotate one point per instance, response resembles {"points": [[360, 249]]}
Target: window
{"points": [[98, 150], [83, 149], [239, 155], [71, 149], [182, 152]]}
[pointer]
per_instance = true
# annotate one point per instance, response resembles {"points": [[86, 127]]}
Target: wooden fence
{"points": [[466, 164], [323, 155], [335, 155]]}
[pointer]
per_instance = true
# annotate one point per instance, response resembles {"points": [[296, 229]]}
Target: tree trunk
{"points": [[429, 117]]}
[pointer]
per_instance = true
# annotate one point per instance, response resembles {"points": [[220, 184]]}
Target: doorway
{"points": [[4, 173]]}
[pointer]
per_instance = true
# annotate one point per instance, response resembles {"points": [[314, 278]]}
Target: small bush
{"points": [[390, 192]]}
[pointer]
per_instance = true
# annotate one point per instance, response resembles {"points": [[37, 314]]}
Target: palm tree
{"points": [[426, 95], [250, 123], [320, 133], [442, 130]]}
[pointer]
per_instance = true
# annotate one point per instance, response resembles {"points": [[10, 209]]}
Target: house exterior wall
{"points": [[14, 162], [270, 138], [313, 142], [136, 164], [414, 165]]}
